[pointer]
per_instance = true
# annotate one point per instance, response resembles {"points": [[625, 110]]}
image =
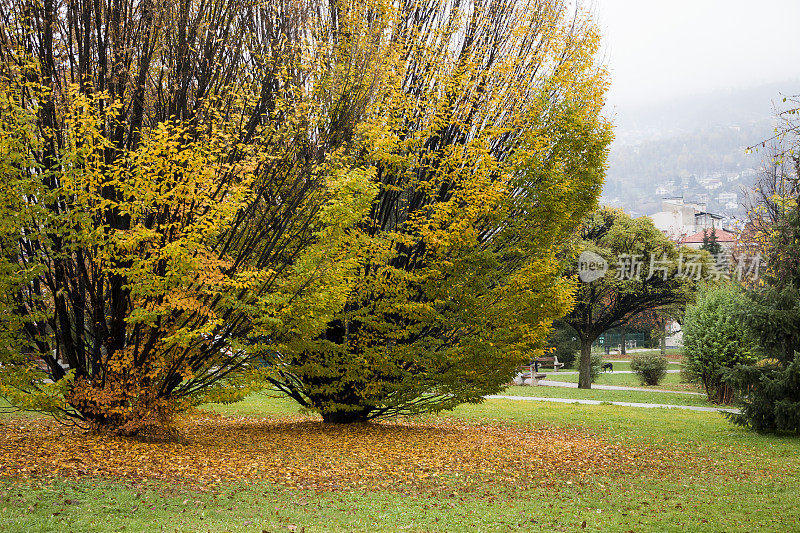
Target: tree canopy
{"points": [[359, 202], [769, 392], [488, 148], [171, 170], [774, 236], [627, 267]]}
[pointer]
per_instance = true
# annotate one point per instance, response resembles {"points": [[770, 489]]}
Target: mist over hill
{"points": [[694, 147]]}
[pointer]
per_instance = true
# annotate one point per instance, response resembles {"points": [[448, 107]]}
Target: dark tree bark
{"points": [[584, 374], [346, 417]]}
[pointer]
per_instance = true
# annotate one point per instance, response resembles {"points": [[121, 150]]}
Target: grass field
{"points": [[618, 365], [671, 381], [644, 396], [497, 466]]}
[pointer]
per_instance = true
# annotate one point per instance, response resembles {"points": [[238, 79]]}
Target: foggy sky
{"points": [[657, 50]]}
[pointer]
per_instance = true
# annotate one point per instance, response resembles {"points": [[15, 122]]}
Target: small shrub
{"points": [[596, 366], [650, 367]]}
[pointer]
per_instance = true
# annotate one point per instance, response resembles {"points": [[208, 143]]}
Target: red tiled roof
{"points": [[722, 236]]}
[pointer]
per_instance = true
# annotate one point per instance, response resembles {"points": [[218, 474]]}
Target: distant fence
{"points": [[632, 340]]}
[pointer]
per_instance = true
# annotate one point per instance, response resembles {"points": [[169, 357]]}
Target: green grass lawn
{"points": [[720, 478], [670, 382], [8, 412], [624, 365], [644, 396]]}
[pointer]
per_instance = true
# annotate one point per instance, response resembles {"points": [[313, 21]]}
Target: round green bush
{"points": [[650, 367]]}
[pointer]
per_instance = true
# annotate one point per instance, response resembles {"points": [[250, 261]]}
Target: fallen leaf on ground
{"points": [[310, 454]]}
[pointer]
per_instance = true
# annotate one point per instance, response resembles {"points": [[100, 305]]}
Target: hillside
{"points": [[695, 147]]}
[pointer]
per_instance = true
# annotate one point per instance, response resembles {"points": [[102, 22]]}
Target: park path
{"points": [[549, 383], [600, 402]]}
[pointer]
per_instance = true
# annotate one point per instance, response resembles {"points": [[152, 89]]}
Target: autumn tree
{"points": [[172, 172], [768, 315], [657, 321], [487, 148], [769, 391], [774, 224], [627, 267], [777, 183]]}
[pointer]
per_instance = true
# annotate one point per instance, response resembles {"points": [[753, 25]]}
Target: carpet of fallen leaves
{"points": [[309, 454]]}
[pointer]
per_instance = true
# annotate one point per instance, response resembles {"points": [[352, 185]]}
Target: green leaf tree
{"points": [[714, 339], [563, 344], [627, 267]]}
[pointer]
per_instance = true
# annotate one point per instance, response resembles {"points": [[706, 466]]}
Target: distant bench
{"points": [[551, 362], [527, 374], [531, 371]]}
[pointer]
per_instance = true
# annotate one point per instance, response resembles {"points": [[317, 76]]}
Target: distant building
{"points": [[684, 223], [725, 238], [705, 220], [750, 173], [678, 218], [726, 197]]}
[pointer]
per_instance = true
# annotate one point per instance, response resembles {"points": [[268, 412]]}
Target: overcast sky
{"points": [[658, 50]]}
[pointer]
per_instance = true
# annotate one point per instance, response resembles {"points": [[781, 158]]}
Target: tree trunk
{"points": [[622, 350], [664, 339], [585, 377], [346, 417]]}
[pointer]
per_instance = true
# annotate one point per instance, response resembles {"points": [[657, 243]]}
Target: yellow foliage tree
{"points": [[173, 172], [488, 147]]}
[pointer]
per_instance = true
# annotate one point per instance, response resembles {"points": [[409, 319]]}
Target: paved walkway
{"points": [[550, 383], [599, 402]]}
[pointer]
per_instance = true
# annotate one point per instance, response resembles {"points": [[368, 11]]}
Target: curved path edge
{"points": [[623, 404]]}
